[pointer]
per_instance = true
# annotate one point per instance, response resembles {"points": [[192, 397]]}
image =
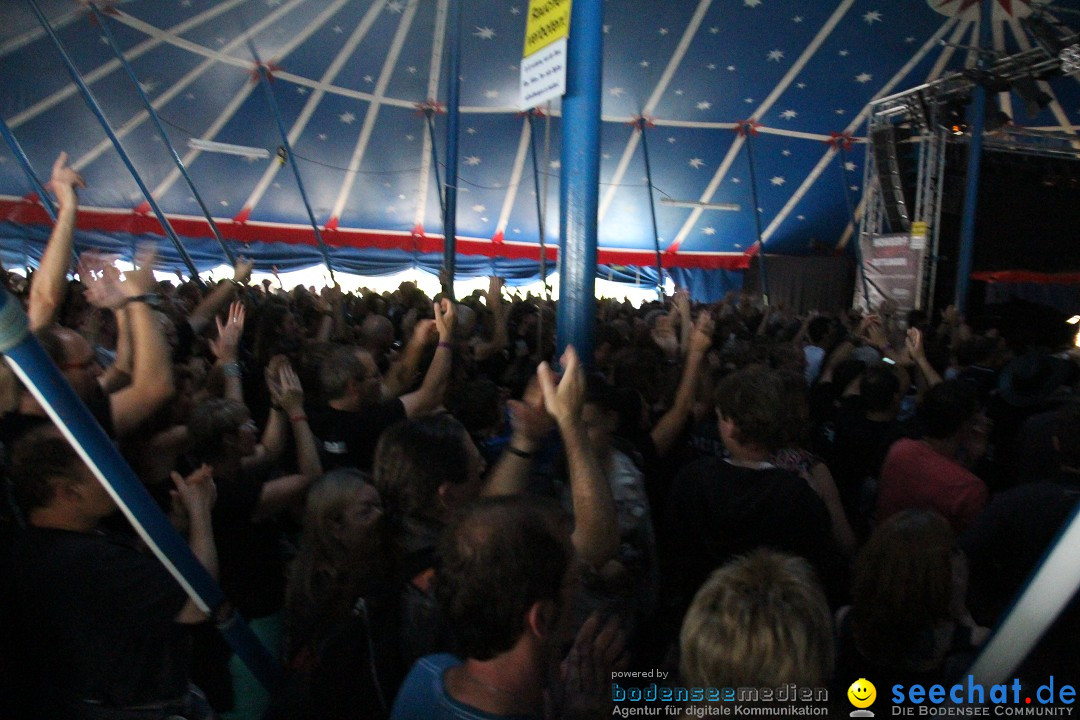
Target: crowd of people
{"points": [[424, 513]]}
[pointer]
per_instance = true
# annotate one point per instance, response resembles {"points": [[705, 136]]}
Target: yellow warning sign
{"points": [[547, 22]]}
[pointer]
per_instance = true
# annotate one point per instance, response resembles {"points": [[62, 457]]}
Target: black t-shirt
{"points": [[252, 567], [718, 511], [348, 439], [858, 452], [92, 619]]}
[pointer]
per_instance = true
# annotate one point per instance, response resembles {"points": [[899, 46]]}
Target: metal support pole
{"points": [[264, 79], [971, 190], [45, 382], [104, 24], [28, 170], [453, 120], [96, 109], [757, 217], [539, 202], [579, 189], [35, 183], [435, 160], [842, 157], [652, 210]]}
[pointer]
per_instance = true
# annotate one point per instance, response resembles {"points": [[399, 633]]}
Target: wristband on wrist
{"points": [[297, 418], [231, 369], [518, 452], [443, 343]]}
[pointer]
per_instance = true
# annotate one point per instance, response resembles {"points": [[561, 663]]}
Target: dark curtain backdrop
{"points": [[806, 283]]}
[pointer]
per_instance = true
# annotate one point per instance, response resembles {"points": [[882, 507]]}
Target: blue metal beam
{"points": [[762, 277], [28, 170], [541, 230], [42, 378], [971, 190], [579, 189], [643, 126], [453, 120], [160, 128], [96, 109], [264, 80]]}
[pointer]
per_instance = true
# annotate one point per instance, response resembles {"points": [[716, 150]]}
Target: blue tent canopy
{"points": [[356, 81]]}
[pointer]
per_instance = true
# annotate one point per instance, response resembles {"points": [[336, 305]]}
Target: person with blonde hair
{"points": [[761, 620]]}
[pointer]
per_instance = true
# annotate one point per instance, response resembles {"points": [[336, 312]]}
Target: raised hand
{"points": [[195, 494], [701, 336], [64, 180], [226, 344], [288, 393], [528, 416], [101, 280], [563, 396], [445, 319], [140, 279], [242, 270], [597, 652]]}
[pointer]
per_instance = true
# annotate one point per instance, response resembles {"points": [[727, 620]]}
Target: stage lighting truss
{"points": [[1070, 59], [941, 103]]}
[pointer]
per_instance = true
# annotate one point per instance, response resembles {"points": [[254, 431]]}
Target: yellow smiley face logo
{"points": [[862, 693]]}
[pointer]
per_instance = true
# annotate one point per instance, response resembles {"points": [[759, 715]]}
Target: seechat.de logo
{"points": [[862, 695]]}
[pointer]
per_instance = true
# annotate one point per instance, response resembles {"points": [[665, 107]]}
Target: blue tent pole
{"points": [[96, 109], [453, 120], [435, 159], [28, 170], [579, 187], [539, 204], [652, 210], [974, 163], [160, 128], [41, 377], [264, 79], [757, 214]]}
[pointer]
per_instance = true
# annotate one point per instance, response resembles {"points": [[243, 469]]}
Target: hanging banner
{"points": [[894, 267], [543, 62]]}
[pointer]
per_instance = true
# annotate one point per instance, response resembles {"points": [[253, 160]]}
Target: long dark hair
{"points": [[328, 575]]}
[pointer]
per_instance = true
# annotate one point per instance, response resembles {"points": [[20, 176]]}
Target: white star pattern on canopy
{"points": [[356, 80]]}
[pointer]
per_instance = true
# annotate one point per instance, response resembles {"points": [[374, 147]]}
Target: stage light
{"points": [[1073, 320]]}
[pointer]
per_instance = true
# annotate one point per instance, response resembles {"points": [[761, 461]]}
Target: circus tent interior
{"points": [[742, 124]]}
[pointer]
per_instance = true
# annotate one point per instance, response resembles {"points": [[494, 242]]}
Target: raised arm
{"points": [[101, 281], [226, 348], [531, 424], [668, 427], [596, 530], [196, 495], [48, 284], [499, 339], [914, 345], [151, 374], [209, 307], [284, 492], [430, 394], [406, 367]]}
